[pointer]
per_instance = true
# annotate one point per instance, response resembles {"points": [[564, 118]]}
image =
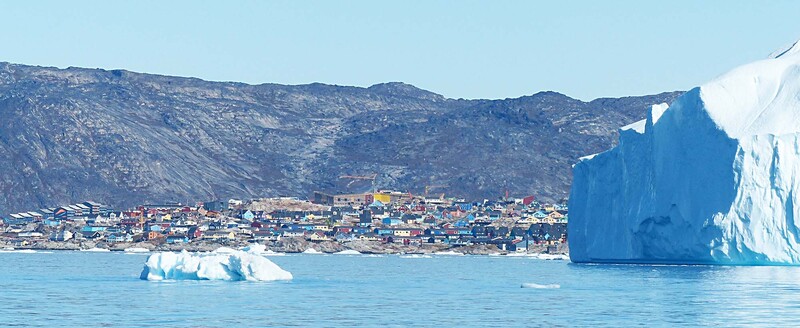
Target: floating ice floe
{"points": [[416, 256], [136, 250], [519, 255], [449, 253], [560, 257], [312, 251], [95, 249], [348, 252], [260, 250], [12, 250], [538, 286], [233, 266]]}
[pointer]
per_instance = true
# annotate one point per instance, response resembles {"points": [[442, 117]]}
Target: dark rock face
{"points": [[125, 138]]}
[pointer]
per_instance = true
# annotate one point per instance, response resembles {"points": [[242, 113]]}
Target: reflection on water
{"points": [[103, 289], [693, 295]]}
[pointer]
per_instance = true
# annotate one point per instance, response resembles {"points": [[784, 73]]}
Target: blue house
{"points": [[465, 206], [119, 238], [391, 221], [384, 231], [248, 215], [435, 232], [94, 228], [494, 215], [51, 222], [470, 217]]}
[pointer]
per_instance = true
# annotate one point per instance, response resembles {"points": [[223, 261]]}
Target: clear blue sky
{"points": [[461, 49]]}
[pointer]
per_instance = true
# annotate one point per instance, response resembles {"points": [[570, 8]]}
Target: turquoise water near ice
{"points": [[80, 289]]}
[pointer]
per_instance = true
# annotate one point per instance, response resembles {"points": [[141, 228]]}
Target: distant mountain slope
{"points": [[124, 138]]}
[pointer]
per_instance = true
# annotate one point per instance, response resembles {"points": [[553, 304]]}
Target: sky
{"points": [[460, 49]]}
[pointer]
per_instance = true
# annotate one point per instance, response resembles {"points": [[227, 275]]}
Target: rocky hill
{"points": [[123, 138]]}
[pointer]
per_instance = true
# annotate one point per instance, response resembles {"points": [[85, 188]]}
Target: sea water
{"points": [[79, 289]]}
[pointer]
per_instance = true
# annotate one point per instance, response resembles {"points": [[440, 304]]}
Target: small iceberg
{"points": [[95, 249], [260, 250], [224, 250], [311, 251], [348, 252], [12, 250], [234, 266], [416, 256], [518, 255], [560, 257], [254, 248], [449, 253], [136, 250], [538, 286]]}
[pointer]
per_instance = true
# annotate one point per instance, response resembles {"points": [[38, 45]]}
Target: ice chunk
{"points": [[449, 253], [95, 249], [255, 248], [136, 250], [714, 178], [236, 265], [538, 286], [311, 251], [559, 257], [224, 250], [348, 252]]}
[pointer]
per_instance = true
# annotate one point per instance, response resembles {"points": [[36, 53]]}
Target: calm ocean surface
{"points": [[79, 289]]}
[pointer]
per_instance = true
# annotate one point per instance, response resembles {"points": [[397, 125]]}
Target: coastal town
{"points": [[375, 222]]}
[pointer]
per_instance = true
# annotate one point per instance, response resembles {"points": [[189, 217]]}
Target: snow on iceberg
{"points": [[236, 265], [712, 178]]}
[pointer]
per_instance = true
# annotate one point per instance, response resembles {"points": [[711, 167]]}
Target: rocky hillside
{"points": [[123, 138]]}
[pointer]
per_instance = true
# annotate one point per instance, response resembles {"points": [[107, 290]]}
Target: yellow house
{"points": [[402, 233], [217, 235], [167, 217], [383, 198], [322, 227]]}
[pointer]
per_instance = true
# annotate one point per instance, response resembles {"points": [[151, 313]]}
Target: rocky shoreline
{"points": [[290, 245]]}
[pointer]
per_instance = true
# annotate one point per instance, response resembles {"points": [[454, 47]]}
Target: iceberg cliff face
{"points": [[711, 178]]}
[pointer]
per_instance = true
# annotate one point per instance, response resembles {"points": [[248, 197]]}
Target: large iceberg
{"points": [[712, 178], [232, 265]]}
